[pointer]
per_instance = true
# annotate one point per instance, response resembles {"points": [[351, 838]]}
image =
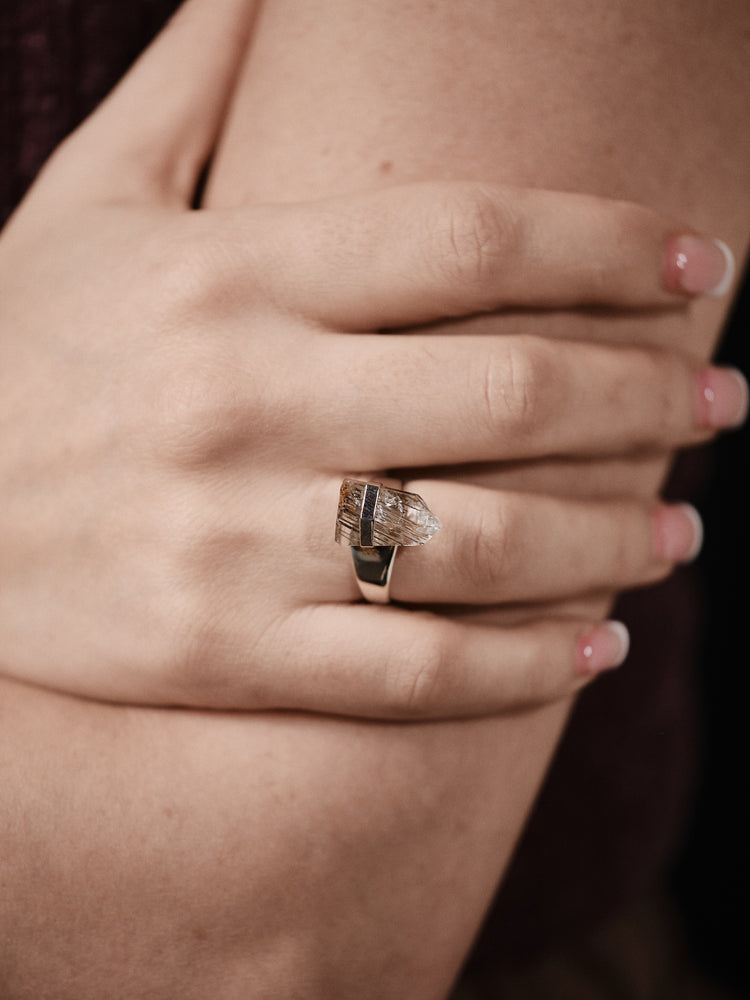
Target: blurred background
{"points": [[710, 877]]}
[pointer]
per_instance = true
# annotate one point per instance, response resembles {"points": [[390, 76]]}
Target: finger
{"points": [[508, 547], [422, 252], [393, 664], [592, 607], [664, 330], [153, 134], [638, 476], [415, 401]]}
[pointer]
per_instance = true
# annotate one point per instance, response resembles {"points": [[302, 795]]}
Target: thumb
{"points": [[150, 139]]}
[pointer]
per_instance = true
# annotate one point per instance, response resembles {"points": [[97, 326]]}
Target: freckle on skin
{"points": [[386, 166]]}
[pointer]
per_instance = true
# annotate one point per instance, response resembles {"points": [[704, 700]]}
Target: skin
{"points": [[137, 495], [337, 794], [323, 110]]}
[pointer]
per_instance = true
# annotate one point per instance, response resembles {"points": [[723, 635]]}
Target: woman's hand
{"points": [[182, 395]]}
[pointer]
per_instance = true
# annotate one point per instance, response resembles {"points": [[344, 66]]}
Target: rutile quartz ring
{"points": [[374, 520]]}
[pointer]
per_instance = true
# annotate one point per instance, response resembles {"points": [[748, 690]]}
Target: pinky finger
{"points": [[389, 663]]}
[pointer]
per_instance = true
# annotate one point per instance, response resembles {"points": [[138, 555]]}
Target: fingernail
{"points": [[678, 532], [722, 398], [697, 266], [602, 649]]}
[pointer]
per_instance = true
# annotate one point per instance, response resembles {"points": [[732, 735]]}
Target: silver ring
{"points": [[375, 520]]}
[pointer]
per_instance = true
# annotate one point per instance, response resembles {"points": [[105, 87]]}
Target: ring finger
{"points": [[497, 547]]}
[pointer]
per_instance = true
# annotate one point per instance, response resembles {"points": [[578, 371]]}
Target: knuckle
{"points": [[194, 268], [517, 387], [174, 258], [198, 667], [193, 666], [219, 624], [486, 543], [201, 397], [198, 412], [416, 682], [175, 663], [186, 659], [194, 635], [477, 232]]}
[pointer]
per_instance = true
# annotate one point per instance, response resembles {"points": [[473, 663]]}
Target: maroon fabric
{"points": [[615, 804], [615, 800]]}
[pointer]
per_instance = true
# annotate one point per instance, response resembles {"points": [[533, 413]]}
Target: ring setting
{"points": [[374, 520]]}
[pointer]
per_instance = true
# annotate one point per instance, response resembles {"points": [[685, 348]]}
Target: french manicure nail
{"points": [[722, 398], [678, 532], [602, 649], [698, 266]]}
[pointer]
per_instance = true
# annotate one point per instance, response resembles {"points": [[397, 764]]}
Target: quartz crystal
{"points": [[399, 518]]}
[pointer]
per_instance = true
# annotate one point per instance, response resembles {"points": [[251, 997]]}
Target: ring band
{"points": [[375, 520], [372, 567]]}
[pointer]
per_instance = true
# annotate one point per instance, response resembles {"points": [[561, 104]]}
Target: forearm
{"points": [[235, 856]]}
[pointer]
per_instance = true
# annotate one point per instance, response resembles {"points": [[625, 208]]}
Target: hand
{"points": [[182, 395]]}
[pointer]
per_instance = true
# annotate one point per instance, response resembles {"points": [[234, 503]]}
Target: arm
{"points": [[642, 101], [152, 852], [369, 838], [645, 101]]}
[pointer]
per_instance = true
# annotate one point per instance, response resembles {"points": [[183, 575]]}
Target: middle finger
{"points": [[425, 400]]}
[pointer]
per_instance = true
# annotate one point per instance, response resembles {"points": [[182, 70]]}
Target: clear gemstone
{"points": [[400, 518]]}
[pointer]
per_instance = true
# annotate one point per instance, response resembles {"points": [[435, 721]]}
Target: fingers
{"points": [[393, 664], [154, 133], [423, 252], [508, 547], [639, 476], [416, 401]]}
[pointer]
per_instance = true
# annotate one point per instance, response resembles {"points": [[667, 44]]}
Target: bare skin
{"points": [[640, 101], [222, 804]]}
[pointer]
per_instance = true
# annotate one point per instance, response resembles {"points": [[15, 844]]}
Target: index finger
{"points": [[422, 252]]}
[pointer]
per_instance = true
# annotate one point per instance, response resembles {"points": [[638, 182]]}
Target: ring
{"points": [[375, 520]]}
